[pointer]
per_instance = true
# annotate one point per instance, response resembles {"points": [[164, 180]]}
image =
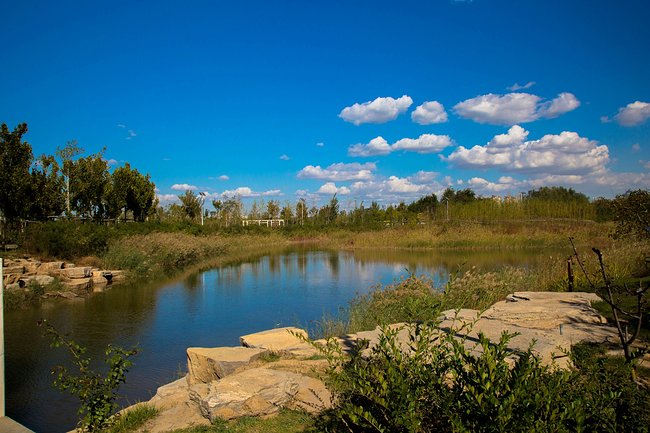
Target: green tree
{"points": [[47, 189], [301, 210], [191, 204], [131, 191], [15, 161], [287, 213], [89, 184], [632, 213], [557, 193], [272, 209], [66, 154]]}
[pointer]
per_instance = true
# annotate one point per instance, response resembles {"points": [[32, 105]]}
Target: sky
{"points": [[376, 100]]}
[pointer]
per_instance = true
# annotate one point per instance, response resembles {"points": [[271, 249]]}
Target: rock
{"points": [[276, 340], [176, 411], [42, 280], [74, 273], [78, 284], [207, 364], [47, 267], [257, 392]]}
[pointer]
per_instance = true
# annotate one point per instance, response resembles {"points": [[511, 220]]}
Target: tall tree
{"points": [[66, 154], [89, 183], [131, 191], [15, 160], [47, 189], [272, 209]]}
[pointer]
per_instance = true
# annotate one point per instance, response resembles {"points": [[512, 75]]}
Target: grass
{"points": [[133, 419], [286, 421]]}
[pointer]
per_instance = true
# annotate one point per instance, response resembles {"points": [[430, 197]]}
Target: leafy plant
{"points": [[97, 392]]}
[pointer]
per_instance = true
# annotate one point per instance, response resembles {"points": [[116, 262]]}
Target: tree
{"points": [[132, 191], [89, 183], [66, 154], [426, 204], [15, 161], [273, 209], [232, 208], [46, 189], [287, 213], [632, 213], [557, 193], [301, 210], [191, 204]]}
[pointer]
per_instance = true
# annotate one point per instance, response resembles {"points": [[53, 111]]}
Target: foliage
{"points": [[15, 162], [557, 194], [286, 421], [444, 383], [96, 392], [632, 213], [66, 240], [191, 205], [131, 191]]}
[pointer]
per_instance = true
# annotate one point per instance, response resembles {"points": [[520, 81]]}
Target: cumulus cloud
{"points": [[429, 112], [381, 110], [320, 144], [425, 143], [184, 187], [284, 157], [563, 154], [636, 147], [339, 172], [516, 86], [224, 177], [112, 161], [395, 189], [244, 192], [166, 199], [330, 188], [633, 114], [513, 108]]}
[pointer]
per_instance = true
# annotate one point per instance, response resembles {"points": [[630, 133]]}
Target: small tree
{"points": [[96, 392], [632, 211]]}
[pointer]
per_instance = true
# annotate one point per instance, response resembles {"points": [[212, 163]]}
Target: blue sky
{"points": [[374, 100]]}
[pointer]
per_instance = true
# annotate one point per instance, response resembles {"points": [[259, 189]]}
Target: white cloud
{"points": [[424, 176], [121, 125], [112, 161], [516, 86], [184, 187], [633, 114], [429, 112], [636, 147], [224, 177], [395, 189], [563, 103], [320, 144], [330, 188], [165, 199], [339, 172], [513, 108], [485, 187], [272, 192], [246, 192], [131, 134], [381, 110], [425, 143], [284, 157], [563, 154]]}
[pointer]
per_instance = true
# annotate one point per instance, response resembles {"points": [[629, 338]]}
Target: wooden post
{"points": [[569, 271]]}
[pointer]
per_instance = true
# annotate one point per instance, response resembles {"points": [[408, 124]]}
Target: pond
{"points": [[293, 287]]}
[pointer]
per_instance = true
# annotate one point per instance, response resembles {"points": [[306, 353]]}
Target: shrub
{"points": [[436, 381]]}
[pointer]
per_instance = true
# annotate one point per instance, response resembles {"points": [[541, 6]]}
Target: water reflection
{"points": [[212, 308]]}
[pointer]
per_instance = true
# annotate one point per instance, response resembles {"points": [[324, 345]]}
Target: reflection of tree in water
{"points": [[274, 264], [231, 275], [333, 260], [301, 261], [192, 282]]}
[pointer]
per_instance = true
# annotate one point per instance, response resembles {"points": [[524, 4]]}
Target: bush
{"points": [[435, 381]]}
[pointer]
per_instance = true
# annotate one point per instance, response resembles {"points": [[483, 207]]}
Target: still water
{"points": [[293, 287]]}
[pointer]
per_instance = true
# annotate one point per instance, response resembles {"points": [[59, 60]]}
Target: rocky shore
{"points": [[21, 274], [277, 369]]}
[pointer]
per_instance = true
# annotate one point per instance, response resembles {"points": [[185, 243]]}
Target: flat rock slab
{"points": [[276, 340], [207, 364], [258, 392]]}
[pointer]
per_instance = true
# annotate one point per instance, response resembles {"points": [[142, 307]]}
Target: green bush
{"points": [[435, 382]]}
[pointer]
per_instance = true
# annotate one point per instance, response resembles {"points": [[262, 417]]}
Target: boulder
{"points": [[78, 284], [258, 392], [74, 273], [207, 364], [176, 411], [42, 280], [276, 340], [47, 267]]}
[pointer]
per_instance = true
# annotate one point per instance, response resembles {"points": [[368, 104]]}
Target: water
{"points": [[208, 309]]}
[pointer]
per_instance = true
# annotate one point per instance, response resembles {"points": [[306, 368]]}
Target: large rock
{"points": [[276, 340], [258, 392], [42, 280], [74, 273], [207, 364], [176, 410]]}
